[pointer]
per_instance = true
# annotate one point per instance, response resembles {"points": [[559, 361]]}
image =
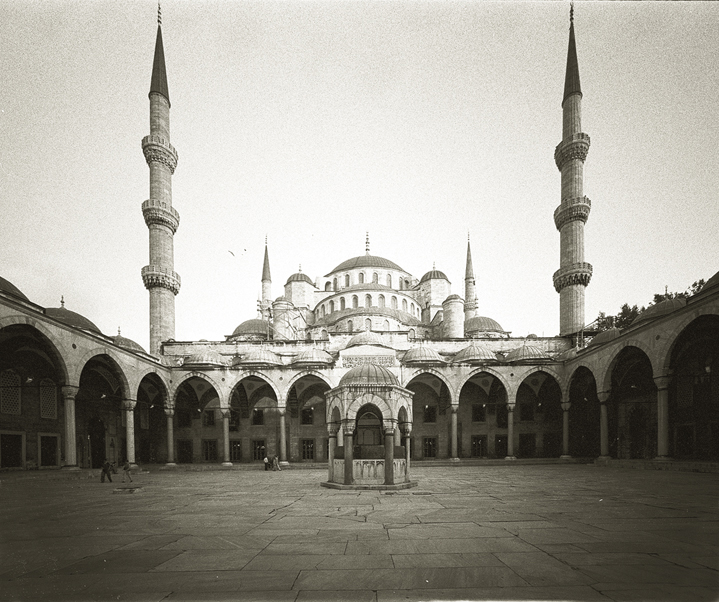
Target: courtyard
{"points": [[496, 532]]}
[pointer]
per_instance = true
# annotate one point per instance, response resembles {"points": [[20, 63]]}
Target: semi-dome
{"points": [[604, 337], [369, 374], [366, 337], [422, 355], [433, 275], [482, 324], [526, 353], [254, 327], [8, 287], [660, 309], [206, 357], [312, 357], [475, 354], [259, 357], [125, 343], [71, 318], [300, 277], [366, 261]]}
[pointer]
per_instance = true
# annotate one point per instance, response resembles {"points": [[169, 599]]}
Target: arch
{"points": [[350, 326], [385, 326], [606, 376], [368, 301], [137, 383], [355, 301], [380, 301], [328, 286], [584, 413], [521, 377], [368, 324], [332, 307], [300, 375], [569, 376], [361, 277], [369, 399], [394, 302], [334, 284], [492, 372], [347, 280], [664, 354], [203, 376], [389, 280], [342, 303], [98, 351], [47, 337], [322, 311], [404, 305], [436, 373]]}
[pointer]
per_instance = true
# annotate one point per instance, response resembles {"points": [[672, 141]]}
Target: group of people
{"points": [[108, 468], [271, 462]]}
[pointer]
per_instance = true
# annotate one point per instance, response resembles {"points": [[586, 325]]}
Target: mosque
{"points": [[367, 362]]}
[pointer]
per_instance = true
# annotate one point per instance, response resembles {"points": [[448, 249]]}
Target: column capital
{"points": [[69, 391], [332, 429], [603, 396], [454, 408], [566, 405], [511, 405], [225, 413], [282, 411], [169, 412], [129, 404], [662, 382]]}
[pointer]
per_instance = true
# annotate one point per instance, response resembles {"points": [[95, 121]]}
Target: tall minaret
{"points": [[266, 301], [573, 275], [470, 288], [161, 219]]}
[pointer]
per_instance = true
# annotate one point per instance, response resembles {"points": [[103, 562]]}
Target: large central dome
{"points": [[366, 261]]}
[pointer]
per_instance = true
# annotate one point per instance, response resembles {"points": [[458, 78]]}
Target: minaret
{"points": [[470, 288], [266, 301], [573, 275], [161, 219]]}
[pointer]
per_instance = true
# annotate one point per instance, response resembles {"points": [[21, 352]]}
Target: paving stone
{"points": [[402, 561], [510, 594]]}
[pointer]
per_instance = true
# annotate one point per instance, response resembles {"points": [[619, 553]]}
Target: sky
{"points": [[314, 123]]}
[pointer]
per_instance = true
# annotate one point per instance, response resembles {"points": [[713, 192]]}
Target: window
{"points": [[430, 413], [48, 399], [208, 418], [322, 311], [404, 305], [234, 421], [479, 412], [389, 280], [347, 279], [394, 302], [385, 326], [328, 286], [361, 277], [380, 301], [349, 326], [209, 450], [479, 446], [368, 324], [375, 278], [308, 449], [430, 447], [355, 301], [235, 451], [307, 416], [412, 308], [342, 303], [368, 300], [10, 392], [334, 284], [258, 449], [258, 417], [332, 306]]}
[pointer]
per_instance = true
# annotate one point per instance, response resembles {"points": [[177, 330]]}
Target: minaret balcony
{"points": [[157, 149], [154, 276], [576, 209], [572, 148], [575, 273], [160, 213]]}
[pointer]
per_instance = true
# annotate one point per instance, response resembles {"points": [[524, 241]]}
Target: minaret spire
{"points": [[266, 285], [470, 289], [574, 273], [161, 218]]}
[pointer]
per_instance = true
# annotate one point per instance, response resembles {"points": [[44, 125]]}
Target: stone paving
{"points": [[512, 532]]}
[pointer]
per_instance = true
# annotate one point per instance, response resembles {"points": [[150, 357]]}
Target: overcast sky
{"points": [[315, 122]]}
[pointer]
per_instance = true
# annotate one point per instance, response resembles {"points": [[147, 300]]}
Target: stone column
{"points": [[128, 406], [407, 434], [332, 433], [397, 437], [349, 456], [510, 432], [225, 413], [389, 457], [68, 394], [603, 397], [565, 432], [170, 413], [454, 457], [283, 438], [662, 383]]}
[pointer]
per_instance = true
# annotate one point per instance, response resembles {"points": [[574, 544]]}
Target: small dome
{"points": [[532, 337], [368, 374], [660, 309], [281, 299], [121, 341], [313, 356], [8, 287], [422, 355], [525, 353], [300, 277], [453, 298], [255, 327], [366, 337], [482, 324], [366, 261], [261, 356], [71, 319], [475, 353], [604, 337], [206, 356], [433, 275]]}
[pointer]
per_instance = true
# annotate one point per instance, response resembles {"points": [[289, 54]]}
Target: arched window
{"points": [[389, 280], [368, 324], [394, 302], [406, 283], [368, 300], [342, 303], [361, 277], [328, 286], [350, 327], [334, 284], [355, 302], [375, 278], [332, 306], [347, 279], [411, 334], [10, 392], [322, 311], [380, 301], [385, 326], [404, 304], [325, 335], [48, 399], [412, 308]]}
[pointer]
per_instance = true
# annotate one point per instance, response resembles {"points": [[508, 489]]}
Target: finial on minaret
{"points": [[118, 331], [571, 12], [366, 244], [434, 266], [62, 300], [300, 270], [159, 13]]}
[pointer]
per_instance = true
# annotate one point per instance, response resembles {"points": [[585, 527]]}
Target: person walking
{"points": [[106, 472], [126, 471]]}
